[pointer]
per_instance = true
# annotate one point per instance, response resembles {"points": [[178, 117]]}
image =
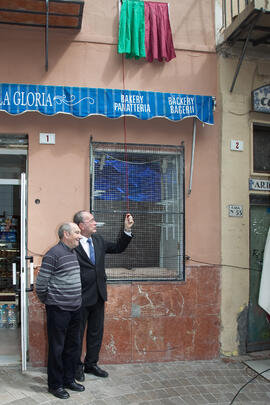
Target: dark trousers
{"points": [[63, 328], [93, 316]]}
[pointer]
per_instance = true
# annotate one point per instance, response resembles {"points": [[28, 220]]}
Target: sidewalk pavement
{"points": [[174, 383]]}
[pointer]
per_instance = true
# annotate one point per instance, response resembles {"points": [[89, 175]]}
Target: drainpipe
{"points": [[192, 154]]}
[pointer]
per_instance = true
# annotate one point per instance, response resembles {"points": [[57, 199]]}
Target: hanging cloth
{"points": [[158, 35], [131, 39]]}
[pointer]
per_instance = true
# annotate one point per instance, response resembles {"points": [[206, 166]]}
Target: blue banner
{"points": [[112, 103]]}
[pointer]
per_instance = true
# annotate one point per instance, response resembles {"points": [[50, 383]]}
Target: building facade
{"points": [[244, 77], [164, 303]]}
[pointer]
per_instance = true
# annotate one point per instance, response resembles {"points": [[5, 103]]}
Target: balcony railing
{"points": [[244, 19], [246, 22], [232, 8], [43, 13]]}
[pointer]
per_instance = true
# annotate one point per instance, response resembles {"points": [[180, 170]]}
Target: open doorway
{"points": [[13, 162]]}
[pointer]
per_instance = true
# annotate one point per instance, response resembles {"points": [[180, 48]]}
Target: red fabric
{"points": [[158, 35]]}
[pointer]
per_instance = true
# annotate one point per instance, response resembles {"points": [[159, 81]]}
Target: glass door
{"points": [[258, 328], [9, 251], [13, 323]]}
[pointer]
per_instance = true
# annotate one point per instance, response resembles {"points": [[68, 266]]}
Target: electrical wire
{"points": [[252, 379], [223, 265], [187, 258], [125, 136]]}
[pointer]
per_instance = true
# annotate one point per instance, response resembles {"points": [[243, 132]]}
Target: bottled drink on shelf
{"points": [[11, 316], [3, 316]]}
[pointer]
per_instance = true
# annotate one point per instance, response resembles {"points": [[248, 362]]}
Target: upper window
{"points": [[147, 181], [261, 149]]}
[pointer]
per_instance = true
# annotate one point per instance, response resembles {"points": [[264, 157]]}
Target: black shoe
{"points": [[59, 393], [73, 386], [79, 375], [96, 370]]}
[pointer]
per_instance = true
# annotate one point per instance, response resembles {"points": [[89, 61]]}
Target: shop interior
{"points": [[12, 164]]}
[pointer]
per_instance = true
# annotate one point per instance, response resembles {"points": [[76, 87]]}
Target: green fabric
{"points": [[131, 39]]}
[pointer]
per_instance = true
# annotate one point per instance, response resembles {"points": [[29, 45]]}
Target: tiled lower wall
{"points": [[151, 321]]}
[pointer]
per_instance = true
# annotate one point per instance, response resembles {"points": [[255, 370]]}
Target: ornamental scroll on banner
{"points": [[82, 102]]}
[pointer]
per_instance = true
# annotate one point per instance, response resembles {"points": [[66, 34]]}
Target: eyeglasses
{"points": [[89, 221]]}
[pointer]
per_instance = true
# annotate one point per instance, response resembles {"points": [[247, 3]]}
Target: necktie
{"points": [[91, 250]]}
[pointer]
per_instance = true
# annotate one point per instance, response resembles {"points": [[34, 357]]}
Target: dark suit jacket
{"points": [[93, 277]]}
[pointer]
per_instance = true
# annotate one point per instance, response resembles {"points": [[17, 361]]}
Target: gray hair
{"points": [[79, 217], [66, 227]]}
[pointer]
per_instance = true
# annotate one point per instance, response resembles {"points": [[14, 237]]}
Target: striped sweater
{"points": [[59, 282]]}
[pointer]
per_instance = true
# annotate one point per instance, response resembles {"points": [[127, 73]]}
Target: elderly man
{"points": [[58, 286], [91, 255]]}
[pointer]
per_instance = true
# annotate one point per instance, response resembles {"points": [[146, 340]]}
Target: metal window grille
{"points": [[147, 181]]}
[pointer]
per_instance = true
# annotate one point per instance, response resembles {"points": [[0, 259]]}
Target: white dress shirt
{"points": [[85, 244]]}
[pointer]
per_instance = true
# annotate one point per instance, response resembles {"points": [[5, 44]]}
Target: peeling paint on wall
{"points": [[135, 311], [242, 329], [111, 346]]}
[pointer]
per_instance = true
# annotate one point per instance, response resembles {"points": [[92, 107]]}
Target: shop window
{"points": [[261, 149], [147, 181]]}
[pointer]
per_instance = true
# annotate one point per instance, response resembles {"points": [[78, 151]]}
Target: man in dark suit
{"points": [[91, 256]]}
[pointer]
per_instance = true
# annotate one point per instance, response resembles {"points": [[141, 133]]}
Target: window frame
{"points": [[177, 150], [252, 171]]}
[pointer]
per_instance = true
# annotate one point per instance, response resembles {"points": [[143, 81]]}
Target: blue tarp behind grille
{"points": [[143, 180], [112, 103]]}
